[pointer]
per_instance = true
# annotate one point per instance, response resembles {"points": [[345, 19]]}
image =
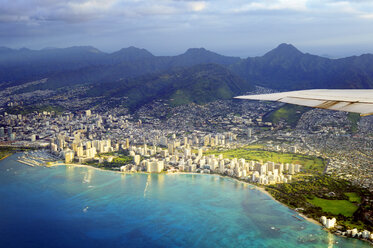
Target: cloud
{"points": [[173, 24], [298, 5], [86, 10], [83, 10], [197, 6]]}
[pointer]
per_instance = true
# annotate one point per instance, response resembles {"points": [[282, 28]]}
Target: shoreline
{"points": [[6, 156], [256, 187], [261, 189]]}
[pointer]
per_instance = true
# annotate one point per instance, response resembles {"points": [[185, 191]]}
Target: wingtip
{"points": [[250, 97], [239, 97]]}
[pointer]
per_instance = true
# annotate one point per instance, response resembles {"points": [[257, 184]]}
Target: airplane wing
{"points": [[357, 101]]}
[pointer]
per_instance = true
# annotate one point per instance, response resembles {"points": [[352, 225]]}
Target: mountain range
{"points": [[199, 84], [198, 75], [286, 68]]}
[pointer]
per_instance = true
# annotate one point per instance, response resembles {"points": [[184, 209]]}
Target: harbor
{"points": [[38, 158]]}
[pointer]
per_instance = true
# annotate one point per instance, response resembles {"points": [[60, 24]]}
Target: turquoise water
{"points": [[83, 207]]}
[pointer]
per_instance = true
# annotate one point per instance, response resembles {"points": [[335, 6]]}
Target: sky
{"points": [[334, 28]]}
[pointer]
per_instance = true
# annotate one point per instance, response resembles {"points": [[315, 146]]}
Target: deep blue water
{"points": [[84, 207]]}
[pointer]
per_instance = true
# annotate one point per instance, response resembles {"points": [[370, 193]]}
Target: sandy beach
{"points": [[255, 187], [191, 173], [300, 214]]}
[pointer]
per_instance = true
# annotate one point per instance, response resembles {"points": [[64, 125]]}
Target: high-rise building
{"points": [[206, 141], [212, 142], [293, 149], [195, 140], [163, 141], [221, 166], [271, 166], [61, 141], [170, 149], [145, 149], [88, 144], [159, 166], [263, 169], [187, 152], [291, 169], [200, 152], [280, 168], [136, 159], [10, 131], [80, 151], [69, 156], [53, 148], [77, 137]]}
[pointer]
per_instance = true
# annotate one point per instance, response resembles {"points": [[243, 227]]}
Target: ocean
{"points": [[68, 206]]}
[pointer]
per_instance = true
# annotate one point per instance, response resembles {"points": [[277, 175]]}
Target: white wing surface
{"points": [[357, 101]]}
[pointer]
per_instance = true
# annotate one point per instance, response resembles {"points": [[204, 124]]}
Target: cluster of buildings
{"points": [[181, 146], [212, 125], [172, 154], [316, 133], [7, 132], [354, 233], [83, 136], [81, 151], [328, 223]]}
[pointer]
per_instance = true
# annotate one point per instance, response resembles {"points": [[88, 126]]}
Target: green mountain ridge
{"points": [[136, 71], [198, 84], [24, 65], [286, 68], [283, 68]]}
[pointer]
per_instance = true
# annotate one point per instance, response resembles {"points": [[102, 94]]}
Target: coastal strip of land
{"points": [[261, 189], [272, 191]]}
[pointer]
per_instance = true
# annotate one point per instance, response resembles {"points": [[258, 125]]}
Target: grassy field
{"points": [[353, 197], [312, 194], [309, 163], [119, 159], [335, 207], [255, 146], [123, 160], [289, 113], [354, 118]]}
